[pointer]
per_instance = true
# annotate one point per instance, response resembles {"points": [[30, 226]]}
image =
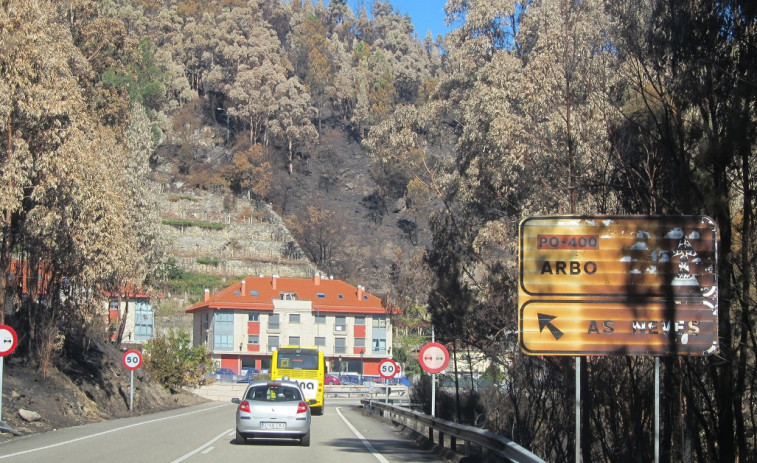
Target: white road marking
{"points": [[365, 441], [208, 450], [200, 448], [2, 457]]}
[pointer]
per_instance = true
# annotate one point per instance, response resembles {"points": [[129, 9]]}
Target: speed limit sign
{"points": [[132, 359], [388, 368]]}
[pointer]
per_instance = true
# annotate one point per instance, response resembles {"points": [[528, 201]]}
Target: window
{"points": [[320, 341], [360, 320], [321, 295], [223, 342], [288, 296], [253, 339], [340, 345], [294, 318], [273, 342], [273, 322], [143, 321], [379, 346], [359, 342], [274, 393], [254, 293], [379, 322], [223, 331], [294, 340], [340, 323], [320, 319], [114, 305], [253, 317]]}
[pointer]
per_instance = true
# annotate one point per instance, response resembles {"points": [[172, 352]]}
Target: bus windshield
{"points": [[306, 366], [299, 359]]}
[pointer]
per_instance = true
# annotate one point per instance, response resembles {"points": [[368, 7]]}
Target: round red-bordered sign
{"points": [[433, 357], [132, 359], [388, 368], [8, 340]]}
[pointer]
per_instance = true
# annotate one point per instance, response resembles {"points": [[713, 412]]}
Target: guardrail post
{"points": [[431, 434], [453, 443]]}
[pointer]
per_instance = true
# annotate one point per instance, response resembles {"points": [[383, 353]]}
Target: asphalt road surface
{"points": [[205, 433]]}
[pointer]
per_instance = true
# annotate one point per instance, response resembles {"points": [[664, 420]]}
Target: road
{"points": [[205, 434]]}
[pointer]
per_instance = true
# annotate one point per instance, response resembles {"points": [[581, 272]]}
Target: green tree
{"points": [[173, 362]]}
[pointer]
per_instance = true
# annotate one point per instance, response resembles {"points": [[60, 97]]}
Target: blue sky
{"points": [[425, 14]]}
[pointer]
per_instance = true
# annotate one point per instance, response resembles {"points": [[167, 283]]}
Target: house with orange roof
{"points": [[244, 323]]}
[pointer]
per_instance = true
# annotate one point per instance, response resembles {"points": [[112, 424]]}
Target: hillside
{"points": [[87, 387], [254, 238]]}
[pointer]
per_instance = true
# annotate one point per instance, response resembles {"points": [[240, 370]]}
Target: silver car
{"points": [[273, 409]]}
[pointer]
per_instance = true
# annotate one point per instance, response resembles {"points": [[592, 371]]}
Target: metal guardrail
{"points": [[493, 447]]}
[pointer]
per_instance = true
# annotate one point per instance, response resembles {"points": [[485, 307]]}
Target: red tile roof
{"points": [[334, 296]]}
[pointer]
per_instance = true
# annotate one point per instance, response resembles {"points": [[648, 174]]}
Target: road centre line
{"points": [[59, 444], [365, 441], [200, 448]]}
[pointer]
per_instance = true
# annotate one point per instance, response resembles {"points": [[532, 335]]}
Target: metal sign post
{"points": [[388, 369], [132, 360], [656, 409], [578, 409], [8, 343], [433, 358]]}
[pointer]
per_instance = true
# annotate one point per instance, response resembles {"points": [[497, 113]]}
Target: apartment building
{"points": [[244, 323]]}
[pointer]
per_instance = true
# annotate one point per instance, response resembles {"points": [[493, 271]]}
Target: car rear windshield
{"points": [[273, 393]]}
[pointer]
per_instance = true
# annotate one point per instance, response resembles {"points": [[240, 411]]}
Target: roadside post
{"points": [[388, 369], [132, 360], [8, 343], [433, 358]]}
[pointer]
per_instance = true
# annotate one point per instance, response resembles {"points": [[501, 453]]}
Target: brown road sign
{"points": [[617, 328], [607, 268], [617, 256]]}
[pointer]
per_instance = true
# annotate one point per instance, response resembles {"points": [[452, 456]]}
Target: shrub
{"points": [[208, 261], [173, 362]]}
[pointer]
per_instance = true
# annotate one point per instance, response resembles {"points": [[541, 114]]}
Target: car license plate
{"points": [[272, 425]]}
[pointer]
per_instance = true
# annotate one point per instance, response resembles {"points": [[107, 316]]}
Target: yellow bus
{"points": [[306, 366]]}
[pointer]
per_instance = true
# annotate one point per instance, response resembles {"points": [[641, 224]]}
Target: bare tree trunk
{"points": [[5, 266], [5, 254], [122, 321], [723, 366]]}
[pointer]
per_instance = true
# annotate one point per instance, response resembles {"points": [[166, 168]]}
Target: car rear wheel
{"points": [[240, 439], [305, 440]]}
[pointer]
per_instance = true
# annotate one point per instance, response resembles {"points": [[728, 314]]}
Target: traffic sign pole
{"points": [[433, 385], [388, 369], [8, 343], [433, 358], [1, 388], [132, 360]]}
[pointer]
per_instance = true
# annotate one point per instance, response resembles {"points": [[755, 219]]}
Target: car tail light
{"points": [[245, 407], [302, 407]]}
